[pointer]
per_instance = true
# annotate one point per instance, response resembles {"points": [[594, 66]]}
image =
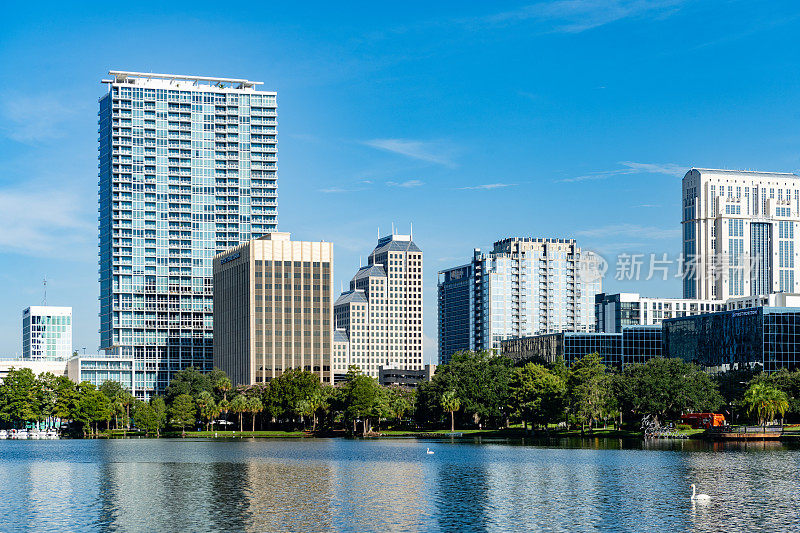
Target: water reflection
{"points": [[342, 485]]}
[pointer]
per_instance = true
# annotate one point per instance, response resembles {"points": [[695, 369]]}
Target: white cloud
{"points": [[47, 223], [631, 230], [432, 152], [405, 184], [630, 167], [576, 16], [487, 186], [32, 118]]}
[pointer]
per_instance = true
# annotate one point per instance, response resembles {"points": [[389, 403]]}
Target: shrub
{"points": [[683, 427]]}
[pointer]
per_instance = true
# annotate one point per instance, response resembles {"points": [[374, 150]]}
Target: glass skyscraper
{"points": [[188, 168], [522, 287]]}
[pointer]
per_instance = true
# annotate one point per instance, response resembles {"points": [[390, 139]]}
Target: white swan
{"points": [[428, 451], [699, 497]]}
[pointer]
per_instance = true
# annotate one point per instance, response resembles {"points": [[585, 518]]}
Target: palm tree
{"points": [[223, 407], [450, 403], [254, 406], [765, 400], [224, 385], [208, 407], [239, 405]]}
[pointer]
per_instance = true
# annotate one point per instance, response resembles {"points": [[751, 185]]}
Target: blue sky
{"points": [[475, 121]]}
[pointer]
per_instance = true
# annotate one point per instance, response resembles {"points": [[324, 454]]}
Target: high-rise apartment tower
{"points": [[188, 168], [522, 287]]}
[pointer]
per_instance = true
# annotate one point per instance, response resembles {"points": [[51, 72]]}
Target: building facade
{"points": [[765, 337], [634, 344], [381, 314], [97, 369], [613, 312], [273, 309], [456, 311], [57, 367], [738, 233], [188, 169], [403, 377], [522, 287], [47, 332]]}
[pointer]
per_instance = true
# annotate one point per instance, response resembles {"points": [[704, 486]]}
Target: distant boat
{"points": [[3, 434]]}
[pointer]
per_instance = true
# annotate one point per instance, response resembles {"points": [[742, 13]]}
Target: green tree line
{"points": [[474, 390]]}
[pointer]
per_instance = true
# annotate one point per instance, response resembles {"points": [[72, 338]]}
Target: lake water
{"points": [[393, 485]]}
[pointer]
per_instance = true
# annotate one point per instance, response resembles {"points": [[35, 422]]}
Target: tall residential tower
{"points": [[523, 287], [738, 233], [188, 169]]}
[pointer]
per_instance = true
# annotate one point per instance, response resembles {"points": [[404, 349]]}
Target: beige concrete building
{"points": [[273, 309], [381, 315]]}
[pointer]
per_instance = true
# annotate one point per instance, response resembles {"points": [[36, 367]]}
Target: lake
{"points": [[393, 485]]}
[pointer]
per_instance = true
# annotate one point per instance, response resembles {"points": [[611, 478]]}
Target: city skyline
{"points": [[606, 147]]}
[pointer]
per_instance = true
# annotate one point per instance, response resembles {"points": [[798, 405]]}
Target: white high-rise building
{"points": [[47, 332], [522, 287], [188, 169], [738, 233], [381, 315]]}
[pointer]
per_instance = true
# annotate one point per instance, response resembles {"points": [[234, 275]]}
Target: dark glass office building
{"points": [[636, 344], [456, 319], [766, 337]]}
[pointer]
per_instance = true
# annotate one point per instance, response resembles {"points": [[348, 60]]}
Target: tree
{"points": [[480, 380], [182, 410], [450, 403], [160, 411], [146, 418], [359, 398], [66, 398], [188, 381], [207, 407], [282, 398], [254, 406], [765, 400], [589, 389], [666, 388], [223, 384], [116, 393], [92, 407], [400, 401], [537, 394], [20, 400], [239, 406]]}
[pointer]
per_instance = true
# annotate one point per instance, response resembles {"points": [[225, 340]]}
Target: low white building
{"points": [[615, 311], [57, 368]]}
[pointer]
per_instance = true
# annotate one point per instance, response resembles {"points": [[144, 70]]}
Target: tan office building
{"points": [[273, 309]]}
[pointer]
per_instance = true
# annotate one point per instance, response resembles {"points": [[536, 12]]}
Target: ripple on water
{"points": [[392, 485]]}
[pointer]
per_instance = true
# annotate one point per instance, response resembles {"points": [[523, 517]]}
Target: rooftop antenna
{"points": [[393, 229], [411, 236], [379, 233], [359, 262], [44, 283]]}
